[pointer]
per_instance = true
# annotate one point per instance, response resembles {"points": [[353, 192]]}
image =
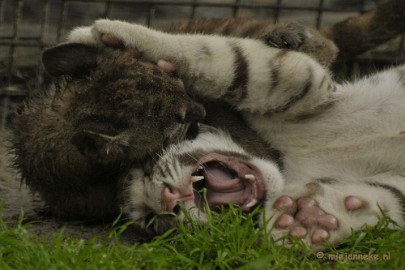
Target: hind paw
{"points": [[314, 214], [304, 219]]}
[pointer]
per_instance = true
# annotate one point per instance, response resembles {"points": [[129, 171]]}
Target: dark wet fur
{"points": [[121, 96]]}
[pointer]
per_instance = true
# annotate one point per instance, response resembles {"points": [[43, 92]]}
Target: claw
{"points": [[252, 179]]}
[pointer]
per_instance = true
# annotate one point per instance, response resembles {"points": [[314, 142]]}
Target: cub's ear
{"points": [[101, 140], [100, 148], [73, 59]]}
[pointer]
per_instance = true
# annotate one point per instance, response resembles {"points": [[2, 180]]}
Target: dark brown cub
{"points": [[75, 141]]}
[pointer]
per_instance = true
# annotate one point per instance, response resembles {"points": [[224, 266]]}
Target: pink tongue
{"points": [[222, 188], [218, 173]]}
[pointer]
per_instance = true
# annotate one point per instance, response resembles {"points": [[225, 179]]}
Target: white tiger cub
{"points": [[342, 144]]}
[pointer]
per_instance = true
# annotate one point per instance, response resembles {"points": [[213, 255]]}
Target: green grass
{"points": [[230, 241]]}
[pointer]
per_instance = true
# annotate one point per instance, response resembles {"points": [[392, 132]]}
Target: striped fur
{"points": [[350, 134], [290, 35], [232, 60]]}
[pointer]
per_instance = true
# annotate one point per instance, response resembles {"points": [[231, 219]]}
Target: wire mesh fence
{"points": [[26, 27]]}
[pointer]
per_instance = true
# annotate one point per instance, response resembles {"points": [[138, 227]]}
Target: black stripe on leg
{"points": [[274, 67], [297, 97], [399, 195], [237, 91]]}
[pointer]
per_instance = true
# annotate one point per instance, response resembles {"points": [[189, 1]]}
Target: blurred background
{"points": [[27, 27]]}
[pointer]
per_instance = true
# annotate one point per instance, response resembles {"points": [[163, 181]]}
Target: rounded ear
{"points": [[101, 148], [73, 59]]}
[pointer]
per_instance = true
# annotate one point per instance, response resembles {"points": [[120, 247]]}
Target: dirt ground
{"points": [[16, 198]]}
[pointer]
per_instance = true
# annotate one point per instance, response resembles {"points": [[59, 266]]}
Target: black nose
{"points": [[196, 113], [193, 131]]}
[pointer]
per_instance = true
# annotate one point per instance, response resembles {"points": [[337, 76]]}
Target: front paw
{"points": [[317, 214], [286, 36], [294, 36]]}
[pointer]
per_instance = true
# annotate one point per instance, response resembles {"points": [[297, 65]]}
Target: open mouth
{"points": [[227, 180]]}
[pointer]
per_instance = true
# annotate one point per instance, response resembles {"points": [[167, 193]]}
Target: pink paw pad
{"points": [[111, 41], [306, 219], [353, 203], [284, 203], [306, 202], [328, 222], [319, 236], [284, 221], [166, 65], [299, 232]]}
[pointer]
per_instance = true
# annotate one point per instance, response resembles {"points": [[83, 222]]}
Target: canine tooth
{"points": [[252, 180], [196, 178], [200, 167], [253, 202]]}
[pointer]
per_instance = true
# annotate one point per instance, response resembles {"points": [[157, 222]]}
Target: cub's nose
{"points": [[195, 113], [172, 196]]}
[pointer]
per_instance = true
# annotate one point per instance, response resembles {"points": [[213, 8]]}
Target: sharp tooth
{"points": [[196, 178], [253, 202], [250, 177], [200, 167]]}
